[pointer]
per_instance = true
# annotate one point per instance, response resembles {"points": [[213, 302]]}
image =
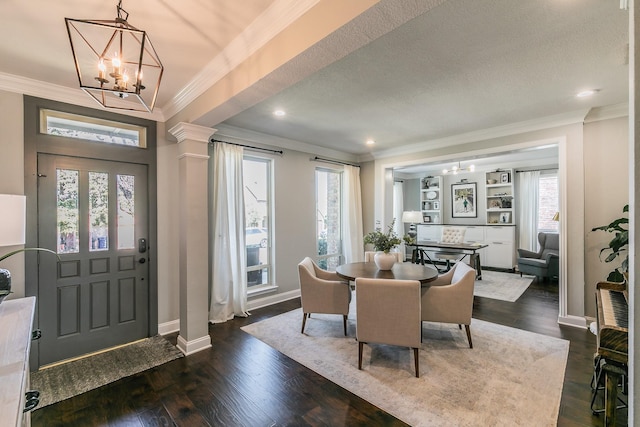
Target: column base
{"points": [[193, 346]]}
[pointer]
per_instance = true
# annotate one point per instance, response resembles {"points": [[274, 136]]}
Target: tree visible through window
{"points": [[329, 218]]}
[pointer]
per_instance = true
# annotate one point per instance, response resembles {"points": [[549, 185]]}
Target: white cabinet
{"points": [[501, 250], [500, 197], [431, 199], [15, 341]]}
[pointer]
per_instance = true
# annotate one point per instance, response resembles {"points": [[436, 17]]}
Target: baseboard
{"points": [[575, 321], [193, 346], [272, 299], [169, 327]]}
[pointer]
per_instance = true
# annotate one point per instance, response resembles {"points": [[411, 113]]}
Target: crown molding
{"points": [[532, 125], [607, 112], [261, 139], [187, 131], [272, 21], [40, 89]]}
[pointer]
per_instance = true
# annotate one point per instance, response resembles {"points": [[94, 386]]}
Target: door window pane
{"points": [[329, 218], [98, 211], [67, 211], [256, 174], [126, 211]]}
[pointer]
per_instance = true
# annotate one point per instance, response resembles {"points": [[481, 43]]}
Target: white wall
{"points": [[606, 192], [12, 175]]}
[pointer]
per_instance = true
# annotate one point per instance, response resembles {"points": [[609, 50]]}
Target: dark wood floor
{"points": [[243, 382]]}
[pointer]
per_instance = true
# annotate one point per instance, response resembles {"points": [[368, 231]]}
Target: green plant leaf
{"points": [[5, 256]]}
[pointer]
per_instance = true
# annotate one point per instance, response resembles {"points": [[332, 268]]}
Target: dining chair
{"points": [[449, 298], [388, 312], [322, 291]]}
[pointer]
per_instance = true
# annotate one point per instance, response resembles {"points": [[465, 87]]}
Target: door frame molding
{"points": [[35, 143]]}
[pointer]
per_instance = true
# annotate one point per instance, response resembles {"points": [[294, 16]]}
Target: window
{"points": [[256, 174], [91, 129], [548, 205], [329, 218]]}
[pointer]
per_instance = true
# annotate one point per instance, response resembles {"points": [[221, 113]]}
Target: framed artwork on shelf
{"points": [[504, 178], [436, 205], [463, 200], [426, 218], [505, 217]]}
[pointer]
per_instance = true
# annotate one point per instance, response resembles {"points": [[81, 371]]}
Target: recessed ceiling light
{"points": [[279, 113], [585, 93], [370, 142]]}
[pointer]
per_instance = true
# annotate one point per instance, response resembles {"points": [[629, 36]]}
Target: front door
{"points": [[96, 295]]}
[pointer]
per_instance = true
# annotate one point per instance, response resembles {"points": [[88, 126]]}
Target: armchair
{"points": [[322, 291], [543, 263], [449, 298]]}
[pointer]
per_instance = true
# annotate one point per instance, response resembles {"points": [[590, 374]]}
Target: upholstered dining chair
{"points": [[450, 235], [368, 256], [388, 312], [449, 298], [322, 291]]}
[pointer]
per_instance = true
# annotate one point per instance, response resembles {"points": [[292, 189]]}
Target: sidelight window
{"points": [[329, 218]]}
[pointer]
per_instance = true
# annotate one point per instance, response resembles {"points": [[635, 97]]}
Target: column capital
{"points": [[187, 131]]}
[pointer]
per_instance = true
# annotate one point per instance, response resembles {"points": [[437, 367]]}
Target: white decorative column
{"points": [[193, 187]]}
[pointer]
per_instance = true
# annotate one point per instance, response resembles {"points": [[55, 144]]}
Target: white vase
{"points": [[384, 261]]}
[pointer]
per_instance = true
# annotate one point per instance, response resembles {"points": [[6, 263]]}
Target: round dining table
{"points": [[400, 271]]}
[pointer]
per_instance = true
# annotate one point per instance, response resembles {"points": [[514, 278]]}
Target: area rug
{"points": [[502, 286], [510, 378], [63, 381]]}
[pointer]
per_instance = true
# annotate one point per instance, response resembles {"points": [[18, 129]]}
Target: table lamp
{"points": [[412, 218]]}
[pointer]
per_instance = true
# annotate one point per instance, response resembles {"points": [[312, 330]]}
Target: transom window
{"points": [[70, 125]]}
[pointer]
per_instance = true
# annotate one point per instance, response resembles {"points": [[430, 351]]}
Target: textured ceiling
{"points": [[464, 66]]}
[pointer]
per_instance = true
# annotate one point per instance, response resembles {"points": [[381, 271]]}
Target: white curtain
{"points": [[527, 197], [229, 281], [398, 208], [353, 245]]}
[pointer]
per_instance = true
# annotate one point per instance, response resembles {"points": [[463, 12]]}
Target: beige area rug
{"points": [[502, 286], [510, 378], [63, 381]]}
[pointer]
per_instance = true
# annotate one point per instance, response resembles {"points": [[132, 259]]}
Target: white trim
{"points": [[280, 15], [574, 321], [187, 131], [31, 87], [607, 112], [273, 299], [193, 346], [169, 327], [484, 134], [194, 156]]}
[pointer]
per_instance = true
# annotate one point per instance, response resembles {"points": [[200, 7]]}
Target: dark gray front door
{"points": [[96, 296]]}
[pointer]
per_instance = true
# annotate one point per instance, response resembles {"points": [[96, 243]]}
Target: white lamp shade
{"points": [[13, 211], [411, 217]]}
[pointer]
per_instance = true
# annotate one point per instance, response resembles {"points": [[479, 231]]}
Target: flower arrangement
{"points": [[383, 241]]}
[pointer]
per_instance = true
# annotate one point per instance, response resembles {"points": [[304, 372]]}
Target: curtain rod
{"points": [[249, 146], [334, 161], [538, 170]]}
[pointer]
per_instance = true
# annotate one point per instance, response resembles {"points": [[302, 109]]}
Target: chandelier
{"points": [[116, 62], [456, 169]]}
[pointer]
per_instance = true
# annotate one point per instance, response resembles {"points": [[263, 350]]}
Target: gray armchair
{"points": [[322, 291], [543, 263]]}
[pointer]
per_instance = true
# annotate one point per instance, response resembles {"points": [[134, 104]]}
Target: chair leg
{"points": [[469, 335], [360, 348], [304, 320], [344, 323], [459, 326], [415, 357]]}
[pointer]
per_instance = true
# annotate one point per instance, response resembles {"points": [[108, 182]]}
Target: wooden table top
{"points": [[400, 271]]}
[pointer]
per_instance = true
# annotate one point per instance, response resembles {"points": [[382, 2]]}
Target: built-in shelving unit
{"points": [[431, 199], [500, 197]]}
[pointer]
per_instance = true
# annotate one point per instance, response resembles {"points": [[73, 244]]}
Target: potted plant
{"points": [[5, 275], [617, 246], [383, 243]]}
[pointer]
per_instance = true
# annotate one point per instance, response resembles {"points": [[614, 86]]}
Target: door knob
{"points": [[142, 260]]}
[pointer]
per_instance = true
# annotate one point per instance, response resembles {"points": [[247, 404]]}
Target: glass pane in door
{"points": [[126, 211], [67, 211], [98, 211]]}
